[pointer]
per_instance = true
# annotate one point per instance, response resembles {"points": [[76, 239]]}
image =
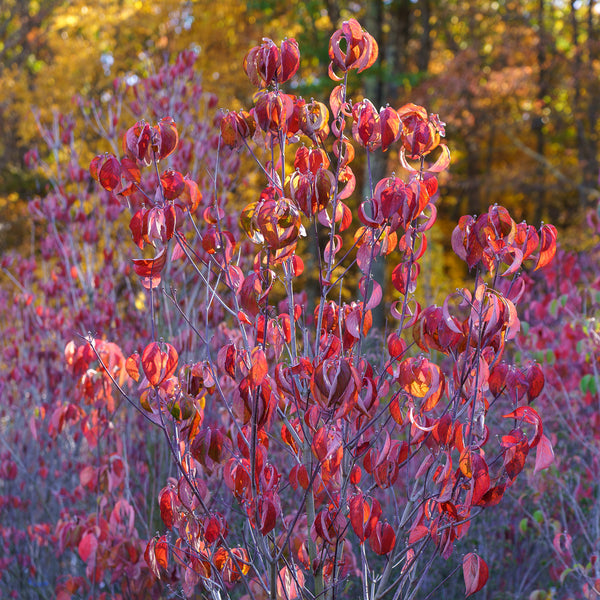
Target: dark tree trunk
{"points": [[383, 87]]}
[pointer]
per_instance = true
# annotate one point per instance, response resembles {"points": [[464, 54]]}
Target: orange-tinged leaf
{"points": [[170, 359], [109, 175], [162, 552], [464, 463], [151, 267], [418, 388], [422, 379], [443, 161], [259, 368], [475, 572], [547, 246], [132, 366], [290, 584], [130, 170], [158, 364], [173, 184], [157, 555], [152, 363], [390, 127], [363, 517], [336, 100], [167, 506]]}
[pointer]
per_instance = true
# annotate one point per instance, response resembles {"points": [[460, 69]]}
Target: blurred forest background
{"points": [[517, 83]]}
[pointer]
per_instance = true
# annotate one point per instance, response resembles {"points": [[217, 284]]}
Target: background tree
{"points": [[54, 51]]}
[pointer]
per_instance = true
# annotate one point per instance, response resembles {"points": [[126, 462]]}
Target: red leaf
{"points": [[290, 585], [150, 268], [481, 477], [190, 197], [375, 295], [493, 496], [167, 500], [297, 265], [396, 345], [529, 415], [383, 538], [130, 170], [443, 161], [527, 239], [162, 552], [136, 226], [173, 184], [157, 555], [137, 141], [170, 359], [268, 514], [259, 368], [544, 455], [88, 546], [547, 246], [404, 278], [166, 136], [535, 378], [475, 572], [157, 364], [152, 363], [517, 448], [335, 101], [390, 127], [95, 165], [299, 477], [330, 252], [363, 517], [290, 60], [226, 359], [355, 475], [109, 175]]}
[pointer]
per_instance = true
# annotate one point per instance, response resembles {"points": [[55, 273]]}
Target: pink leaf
{"points": [[475, 572], [88, 546], [544, 455]]}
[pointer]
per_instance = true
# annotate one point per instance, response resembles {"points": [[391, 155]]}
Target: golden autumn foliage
{"points": [[83, 46]]}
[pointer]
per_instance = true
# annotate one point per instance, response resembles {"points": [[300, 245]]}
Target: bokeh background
{"points": [[517, 82]]}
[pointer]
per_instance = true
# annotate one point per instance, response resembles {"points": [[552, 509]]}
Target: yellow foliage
{"points": [[85, 45]]}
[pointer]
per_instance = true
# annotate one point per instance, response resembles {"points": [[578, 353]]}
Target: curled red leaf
{"points": [[475, 572]]}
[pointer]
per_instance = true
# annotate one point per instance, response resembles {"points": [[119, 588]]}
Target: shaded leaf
{"points": [[544, 455], [475, 572]]}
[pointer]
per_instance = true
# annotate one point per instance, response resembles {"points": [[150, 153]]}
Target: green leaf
{"points": [[523, 526], [584, 383]]}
